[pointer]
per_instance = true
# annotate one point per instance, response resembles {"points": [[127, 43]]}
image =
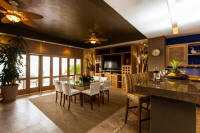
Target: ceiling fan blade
{"points": [[5, 5], [103, 39], [87, 42], [5, 20], [25, 2], [30, 23], [30, 15], [2, 11]]}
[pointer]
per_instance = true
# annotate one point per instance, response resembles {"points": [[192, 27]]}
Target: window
{"points": [[23, 67], [71, 66], [55, 78], [1, 68], [34, 65], [33, 83], [64, 66], [46, 82], [46, 66], [78, 66], [56, 63], [22, 84]]}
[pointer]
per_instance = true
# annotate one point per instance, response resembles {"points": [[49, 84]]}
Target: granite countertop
{"points": [[182, 90]]}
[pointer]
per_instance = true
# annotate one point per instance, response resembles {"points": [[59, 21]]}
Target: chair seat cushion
{"points": [[136, 97], [87, 92], [74, 91], [104, 89]]}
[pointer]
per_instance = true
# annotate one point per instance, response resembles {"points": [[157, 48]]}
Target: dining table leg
{"points": [[81, 99]]}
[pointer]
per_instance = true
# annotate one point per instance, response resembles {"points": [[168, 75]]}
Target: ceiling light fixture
{"points": [[172, 13], [93, 41], [13, 18]]}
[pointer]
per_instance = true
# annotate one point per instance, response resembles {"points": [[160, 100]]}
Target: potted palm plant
{"points": [[11, 59]]}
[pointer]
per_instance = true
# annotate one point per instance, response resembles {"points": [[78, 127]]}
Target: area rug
{"points": [[83, 119]]}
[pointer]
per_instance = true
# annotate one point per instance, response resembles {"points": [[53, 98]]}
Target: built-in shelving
{"points": [[194, 54], [114, 75]]}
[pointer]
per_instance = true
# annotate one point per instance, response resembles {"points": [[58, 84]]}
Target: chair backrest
{"points": [[106, 84], [103, 79], [77, 77], [58, 85], [67, 88], [96, 78], [95, 88], [130, 81]]}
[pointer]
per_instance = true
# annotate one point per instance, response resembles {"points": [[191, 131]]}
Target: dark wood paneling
{"points": [[69, 22]]}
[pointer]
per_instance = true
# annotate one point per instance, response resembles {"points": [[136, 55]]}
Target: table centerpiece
{"points": [[85, 79]]}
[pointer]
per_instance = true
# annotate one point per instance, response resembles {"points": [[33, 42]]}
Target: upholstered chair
{"points": [[93, 91], [103, 79], [69, 92], [96, 78], [58, 88], [105, 89], [138, 99]]}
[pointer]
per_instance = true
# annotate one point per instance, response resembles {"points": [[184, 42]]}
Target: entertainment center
{"points": [[114, 62]]}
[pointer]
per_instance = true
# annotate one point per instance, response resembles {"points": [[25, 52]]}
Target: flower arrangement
{"points": [[85, 79]]}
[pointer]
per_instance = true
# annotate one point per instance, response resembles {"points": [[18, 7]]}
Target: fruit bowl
{"points": [[179, 76]]}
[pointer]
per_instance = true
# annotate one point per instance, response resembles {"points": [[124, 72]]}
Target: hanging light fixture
{"points": [[172, 13]]}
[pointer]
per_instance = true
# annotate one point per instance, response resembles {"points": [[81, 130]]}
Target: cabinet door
{"points": [[177, 52]]}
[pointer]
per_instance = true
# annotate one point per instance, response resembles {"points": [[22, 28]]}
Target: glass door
{"points": [[45, 71], [34, 72], [78, 66], [22, 76], [56, 68]]}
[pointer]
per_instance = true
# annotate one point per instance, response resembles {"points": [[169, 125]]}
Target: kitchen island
{"points": [[173, 105]]}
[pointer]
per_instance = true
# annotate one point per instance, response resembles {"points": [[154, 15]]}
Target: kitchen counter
{"points": [[183, 90], [173, 105]]}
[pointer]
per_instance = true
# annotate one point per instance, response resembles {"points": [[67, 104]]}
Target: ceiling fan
{"points": [[94, 40], [12, 14]]}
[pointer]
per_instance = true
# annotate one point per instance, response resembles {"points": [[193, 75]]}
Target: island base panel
{"points": [[172, 116]]}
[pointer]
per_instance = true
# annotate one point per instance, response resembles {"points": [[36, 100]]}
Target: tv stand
{"points": [[128, 60]]}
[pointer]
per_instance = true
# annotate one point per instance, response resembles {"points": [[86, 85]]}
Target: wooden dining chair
{"points": [[58, 88], [138, 99], [92, 92], [69, 92]]}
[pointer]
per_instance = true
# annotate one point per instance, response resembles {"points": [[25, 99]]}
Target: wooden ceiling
{"points": [[72, 21]]}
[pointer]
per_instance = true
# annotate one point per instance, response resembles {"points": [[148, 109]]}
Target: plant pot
{"points": [[9, 92]]}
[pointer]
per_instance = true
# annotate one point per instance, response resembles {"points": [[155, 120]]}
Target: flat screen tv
{"points": [[112, 62]]}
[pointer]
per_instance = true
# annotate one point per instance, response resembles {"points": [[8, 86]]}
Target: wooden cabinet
{"points": [[126, 69], [177, 52], [115, 80]]}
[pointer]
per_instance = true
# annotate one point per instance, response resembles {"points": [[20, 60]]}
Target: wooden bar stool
{"points": [[139, 99]]}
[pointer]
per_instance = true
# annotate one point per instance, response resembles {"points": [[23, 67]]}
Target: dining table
{"points": [[173, 104]]}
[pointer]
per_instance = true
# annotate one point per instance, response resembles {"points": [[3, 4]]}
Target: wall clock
{"points": [[155, 52]]}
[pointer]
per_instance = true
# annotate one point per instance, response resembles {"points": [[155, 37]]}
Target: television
{"points": [[112, 62]]}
